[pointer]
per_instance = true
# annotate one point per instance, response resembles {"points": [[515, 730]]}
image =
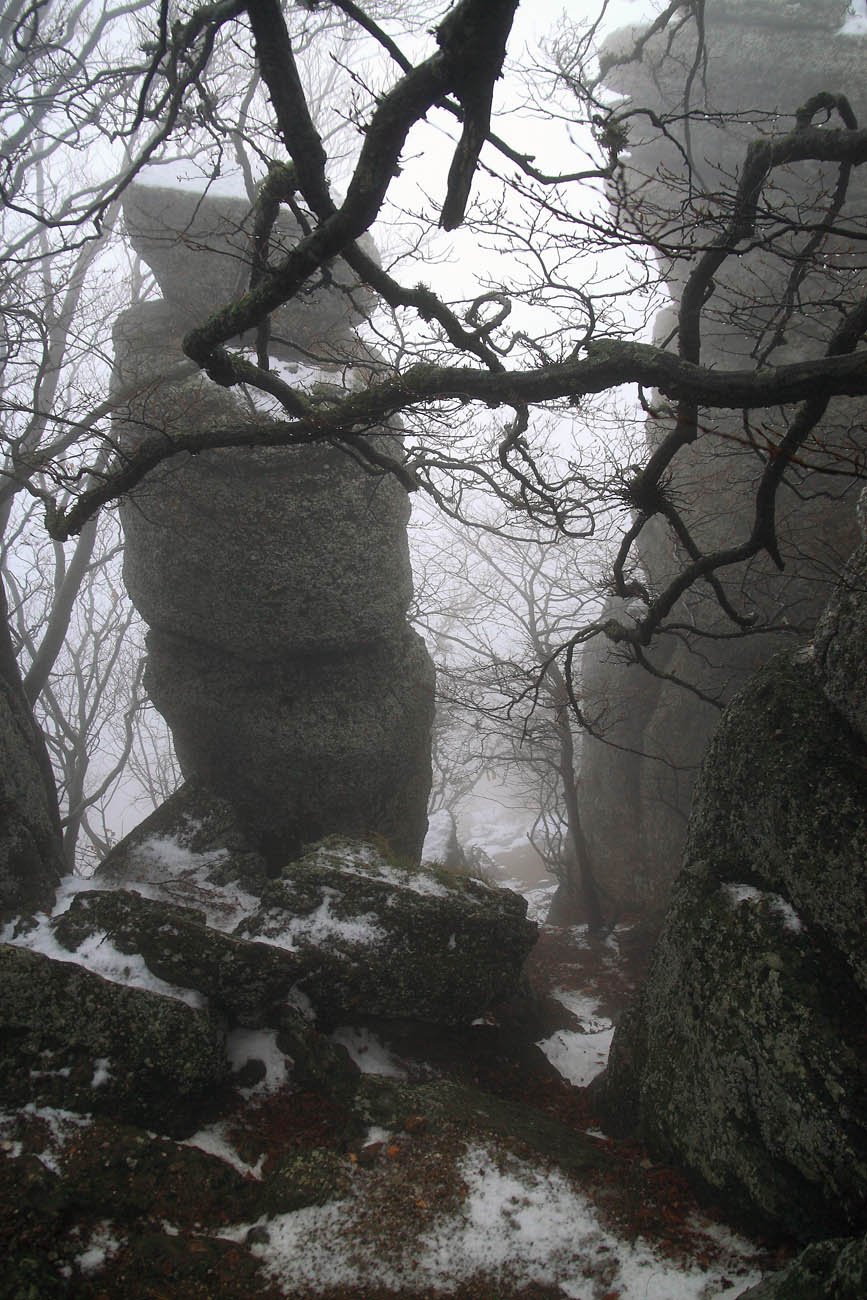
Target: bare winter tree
{"points": [[498, 617], [459, 351]]}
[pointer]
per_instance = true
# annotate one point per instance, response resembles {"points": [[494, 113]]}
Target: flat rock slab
{"points": [[342, 926], [247, 982]]}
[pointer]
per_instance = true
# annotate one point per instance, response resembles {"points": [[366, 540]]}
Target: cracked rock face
{"points": [[275, 581]]}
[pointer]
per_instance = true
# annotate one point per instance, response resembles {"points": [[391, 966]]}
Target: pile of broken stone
{"points": [[185, 909]]}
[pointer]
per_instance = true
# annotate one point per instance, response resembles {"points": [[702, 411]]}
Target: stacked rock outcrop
{"points": [[764, 60], [275, 582], [341, 925]]}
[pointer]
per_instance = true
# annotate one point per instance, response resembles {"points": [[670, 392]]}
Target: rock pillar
{"points": [[763, 61], [275, 581]]}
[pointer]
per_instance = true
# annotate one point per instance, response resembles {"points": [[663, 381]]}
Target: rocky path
{"points": [[465, 1165]]}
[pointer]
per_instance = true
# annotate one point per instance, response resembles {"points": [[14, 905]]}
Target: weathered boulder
{"points": [[827, 1270], [31, 853], [75, 1040], [341, 928], [258, 554], [95, 1208], [275, 582], [304, 746], [637, 780], [247, 983], [191, 851], [172, 228], [744, 1054], [388, 941]]}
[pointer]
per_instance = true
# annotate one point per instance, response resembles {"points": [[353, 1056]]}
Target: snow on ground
{"points": [[102, 1245], [369, 1054], [518, 1224], [243, 1045], [538, 898], [856, 21], [213, 1139], [62, 1126], [579, 1054], [417, 881]]}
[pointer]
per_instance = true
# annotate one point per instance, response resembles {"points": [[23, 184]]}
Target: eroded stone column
{"points": [[275, 581]]}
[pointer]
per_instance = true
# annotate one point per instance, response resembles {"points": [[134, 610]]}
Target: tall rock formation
{"points": [[764, 59], [275, 581]]}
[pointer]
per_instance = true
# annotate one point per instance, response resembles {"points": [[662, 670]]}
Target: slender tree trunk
{"points": [[31, 855], [584, 883], [61, 614]]}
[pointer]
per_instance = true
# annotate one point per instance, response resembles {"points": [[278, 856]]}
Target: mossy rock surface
{"points": [[156, 1059], [157, 1206], [199, 823], [745, 1054], [395, 941], [245, 981], [827, 1270], [781, 803]]}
